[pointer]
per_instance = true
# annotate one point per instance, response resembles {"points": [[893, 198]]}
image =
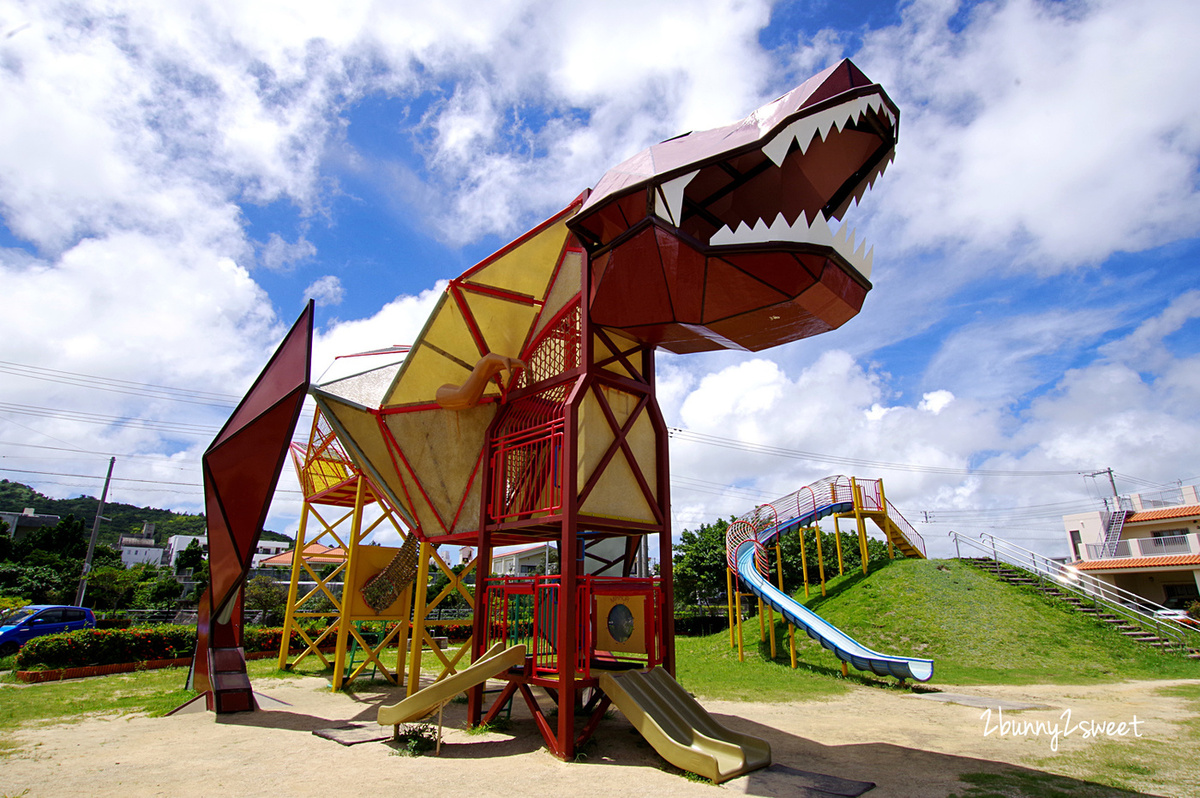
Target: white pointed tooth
{"points": [[805, 130], [819, 232], [780, 229], [722, 236], [777, 148], [858, 192], [865, 270], [860, 254], [672, 194], [840, 238], [850, 240]]}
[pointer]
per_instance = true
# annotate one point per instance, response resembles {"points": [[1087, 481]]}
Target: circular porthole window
{"points": [[620, 623]]}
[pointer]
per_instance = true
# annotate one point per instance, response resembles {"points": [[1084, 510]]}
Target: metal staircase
{"points": [[1112, 531], [1129, 613]]}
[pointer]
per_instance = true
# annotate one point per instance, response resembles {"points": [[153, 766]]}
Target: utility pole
{"points": [[1113, 483], [87, 563]]}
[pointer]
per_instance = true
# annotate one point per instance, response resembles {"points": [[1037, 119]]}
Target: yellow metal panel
{"points": [[621, 624], [565, 288], [594, 437], [442, 448], [527, 268], [323, 474], [366, 446], [502, 323], [371, 560], [429, 371], [642, 442], [601, 352], [618, 495], [448, 332]]}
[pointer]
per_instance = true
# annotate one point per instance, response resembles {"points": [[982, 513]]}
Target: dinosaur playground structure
{"points": [[525, 412], [748, 541]]}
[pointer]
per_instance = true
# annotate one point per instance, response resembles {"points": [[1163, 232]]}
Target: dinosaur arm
{"points": [[467, 395]]}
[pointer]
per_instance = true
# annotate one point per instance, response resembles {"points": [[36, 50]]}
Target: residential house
{"points": [[21, 524], [1148, 544]]}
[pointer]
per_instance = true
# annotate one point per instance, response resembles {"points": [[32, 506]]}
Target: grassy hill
{"points": [[977, 629], [126, 518]]}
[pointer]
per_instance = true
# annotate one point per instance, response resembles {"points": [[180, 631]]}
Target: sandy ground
{"points": [[906, 745]]}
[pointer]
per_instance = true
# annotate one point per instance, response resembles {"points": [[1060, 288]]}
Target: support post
{"points": [[289, 620], [820, 557]]}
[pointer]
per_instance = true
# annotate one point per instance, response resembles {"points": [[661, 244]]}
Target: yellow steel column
{"points": [[837, 541], [820, 557], [729, 601], [344, 622], [421, 589], [779, 575], [887, 521], [856, 496], [804, 562], [738, 602], [289, 618]]}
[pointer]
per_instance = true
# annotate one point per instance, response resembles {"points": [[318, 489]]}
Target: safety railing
{"points": [[1148, 547], [524, 610], [1115, 600], [804, 503], [905, 528]]}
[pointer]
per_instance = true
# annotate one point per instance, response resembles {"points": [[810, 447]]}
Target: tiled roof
{"points": [[1163, 514], [313, 552], [1137, 562]]}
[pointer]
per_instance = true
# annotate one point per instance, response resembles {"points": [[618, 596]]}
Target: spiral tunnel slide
{"points": [[842, 645]]}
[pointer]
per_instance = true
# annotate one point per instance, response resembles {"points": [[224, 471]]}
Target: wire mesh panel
{"points": [[526, 457]]}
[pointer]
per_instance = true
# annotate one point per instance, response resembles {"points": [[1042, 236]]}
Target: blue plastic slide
{"points": [[825, 633]]}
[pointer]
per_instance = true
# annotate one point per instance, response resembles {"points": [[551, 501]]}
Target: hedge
{"points": [[137, 644], [165, 641]]}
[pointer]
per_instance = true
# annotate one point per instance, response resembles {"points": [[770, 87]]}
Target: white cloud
{"points": [[399, 322], [1053, 131], [326, 290], [280, 255]]}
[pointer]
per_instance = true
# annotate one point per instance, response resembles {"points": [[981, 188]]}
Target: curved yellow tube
{"points": [[467, 395]]}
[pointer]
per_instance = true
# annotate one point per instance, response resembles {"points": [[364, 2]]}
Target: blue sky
{"points": [[175, 180]]}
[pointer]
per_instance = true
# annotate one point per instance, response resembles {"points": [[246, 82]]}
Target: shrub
{"points": [[137, 644]]}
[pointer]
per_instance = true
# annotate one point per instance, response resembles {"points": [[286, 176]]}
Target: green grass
{"points": [[708, 667], [152, 693], [979, 630]]}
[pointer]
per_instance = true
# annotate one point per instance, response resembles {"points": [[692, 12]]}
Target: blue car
{"points": [[22, 625]]}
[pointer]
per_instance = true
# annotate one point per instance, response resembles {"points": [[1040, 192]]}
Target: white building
{"points": [[137, 550], [1148, 544], [265, 549]]}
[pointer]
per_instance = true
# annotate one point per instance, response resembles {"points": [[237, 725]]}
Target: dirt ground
{"points": [[907, 745]]}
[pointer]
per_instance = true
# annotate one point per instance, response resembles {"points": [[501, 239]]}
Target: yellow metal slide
{"points": [[680, 729], [496, 660]]}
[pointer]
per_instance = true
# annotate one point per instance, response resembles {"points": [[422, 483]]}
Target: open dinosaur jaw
{"points": [[818, 234], [786, 189]]}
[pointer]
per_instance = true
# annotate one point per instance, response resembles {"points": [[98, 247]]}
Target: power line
{"points": [[94, 478], [113, 385], [107, 420], [818, 457]]}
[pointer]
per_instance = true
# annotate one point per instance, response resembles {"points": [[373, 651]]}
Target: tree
{"points": [[190, 558], [110, 588], [699, 566], [265, 594]]}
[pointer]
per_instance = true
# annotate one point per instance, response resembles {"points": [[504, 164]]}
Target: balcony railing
{"points": [[1148, 547]]}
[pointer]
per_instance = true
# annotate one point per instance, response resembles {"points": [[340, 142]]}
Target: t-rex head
{"points": [[720, 239]]}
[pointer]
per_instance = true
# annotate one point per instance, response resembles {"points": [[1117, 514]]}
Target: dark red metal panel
{"points": [[241, 470]]}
